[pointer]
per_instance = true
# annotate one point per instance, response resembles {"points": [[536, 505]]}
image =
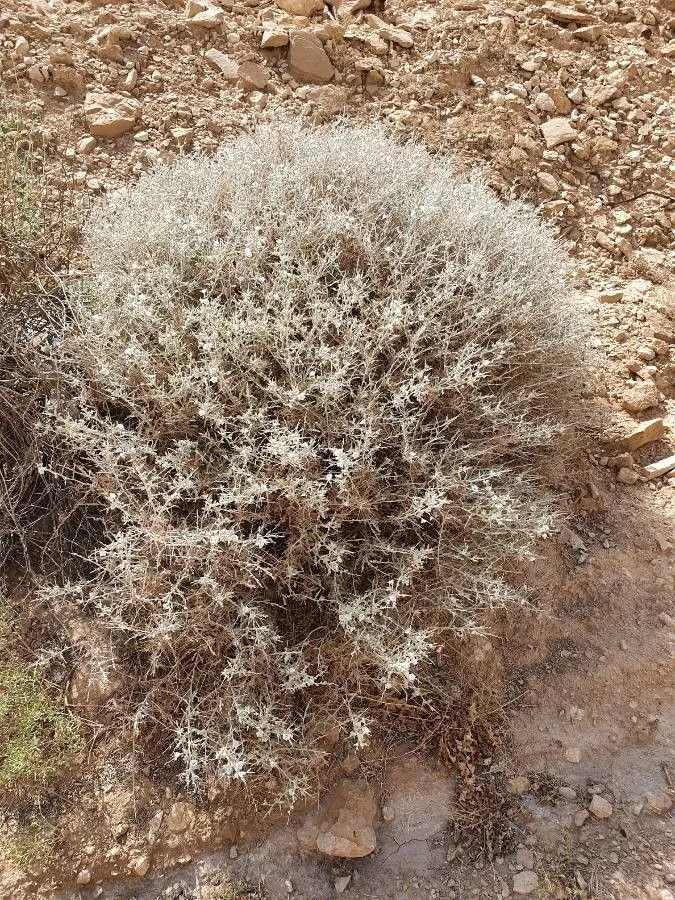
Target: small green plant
{"points": [[37, 737], [225, 890], [30, 846]]}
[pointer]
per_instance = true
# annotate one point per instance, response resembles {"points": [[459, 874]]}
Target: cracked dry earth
{"points": [[566, 105]]}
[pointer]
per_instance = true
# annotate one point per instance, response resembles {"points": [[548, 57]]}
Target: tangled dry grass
{"points": [[321, 372], [39, 228], [38, 233]]}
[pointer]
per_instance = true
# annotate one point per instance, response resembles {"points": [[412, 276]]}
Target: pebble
{"points": [[307, 60], [645, 433], [300, 7], [110, 115], [86, 144], [181, 816], [658, 802], [274, 37], [141, 865], [626, 476], [525, 882], [580, 817], [610, 296], [600, 808], [659, 468], [223, 63], [342, 883], [520, 784], [558, 131], [83, 877], [525, 857], [640, 397]]}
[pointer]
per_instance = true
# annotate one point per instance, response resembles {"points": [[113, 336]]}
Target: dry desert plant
{"points": [[321, 373]]}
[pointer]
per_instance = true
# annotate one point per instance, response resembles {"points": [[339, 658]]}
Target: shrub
{"points": [[321, 373]]}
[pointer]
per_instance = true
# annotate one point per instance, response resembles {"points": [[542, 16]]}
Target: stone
{"points": [[206, 15], [645, 433], [614, 295], [210, 18], [346, 8], [341, 884], [257, 100], [603, 94], [525, 857], [300, 7], [110, 115], [627, 476], [38, 74], [21, 47], [183, 136], [223, 63], [557, 131], [307, 60], [658, 802], [154, 825], [180, 817], [622, 461], [329, 98], [548, 182], [253, 76], [657, 469], [589, 33], [640, 396], [83, 877], [580, 817], [141, 866], [525, 882], [567, 14], [86, 145], [273, 37], [343, 826], [567, 793], [573, 754], [96, 678], [390, 33], [518, 785], [544, 102], [600, 808]]}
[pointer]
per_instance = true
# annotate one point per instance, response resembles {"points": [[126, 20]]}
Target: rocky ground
{"points": [[569, 107]]}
